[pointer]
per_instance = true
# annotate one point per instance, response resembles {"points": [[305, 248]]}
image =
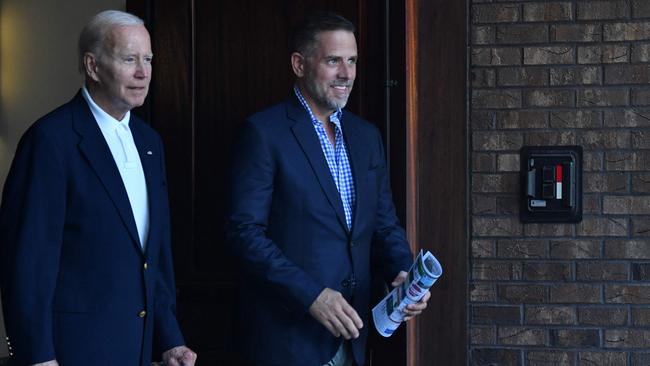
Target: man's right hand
{"points": [[48, 363], [331, 310]]}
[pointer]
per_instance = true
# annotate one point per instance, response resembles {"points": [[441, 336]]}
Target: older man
{"points": [[86, 266], [310, 205]]}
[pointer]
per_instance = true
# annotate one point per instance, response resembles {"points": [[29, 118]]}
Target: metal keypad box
{"points": [[551, 182]]}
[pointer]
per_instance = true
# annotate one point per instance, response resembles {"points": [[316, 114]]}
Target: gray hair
{"points": [[94, 32]]}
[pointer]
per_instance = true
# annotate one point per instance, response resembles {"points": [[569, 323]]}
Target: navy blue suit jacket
{"points": [[287, 227], [76, 284]]}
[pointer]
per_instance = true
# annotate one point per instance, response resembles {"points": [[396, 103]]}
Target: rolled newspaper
{"points": [[389, 313]]}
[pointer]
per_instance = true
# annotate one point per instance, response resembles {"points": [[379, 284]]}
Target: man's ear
{"points": [[91, 66], [298, 64]]}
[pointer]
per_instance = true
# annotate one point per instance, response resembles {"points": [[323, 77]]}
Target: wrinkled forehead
{"points": [[128, 38]]}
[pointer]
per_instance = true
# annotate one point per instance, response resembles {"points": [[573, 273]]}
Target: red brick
{"points": [[640, 140], [495, 13], [576, 119], [548, 230], [547, 271], [548, 358], [578, 293], [495, 356], [508, 163], [602, 359], [522, 76], [640, 9], [627, 294], [520, 336], [487, 226], [575, 338], [483, 249], [603, 226], [626, 205], [613, 9], [550, 315], [641, 317], [483, 78], [521, 294], [495, 183], [627, 74], [490, 314], [547, 11], [605, 139], [640, 52], [521, 249], [496, 99], [599, 182], [484, 204], [496, 56], [550, 138], [497, 141], [521, 119], [575, 249], [606, 54], [627, 161], [483, 34], [482, 335], [627, 249], [626, 338], [483, 270], [592, 161], [640, 226], [522, 33], [633, 31], [480, 292], [641, 183], [576, 33], [602, 316], [550, 98], [603, 271], [578, 75], [548, 55], [627, 118], [603, 97]]}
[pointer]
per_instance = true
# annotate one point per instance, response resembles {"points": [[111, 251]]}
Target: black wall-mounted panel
{"points": [[551, 184]]}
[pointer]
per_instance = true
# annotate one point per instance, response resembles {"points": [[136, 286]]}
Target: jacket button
{"points": [[145, 265], [345, 283], [142, 314], [352, 243]]}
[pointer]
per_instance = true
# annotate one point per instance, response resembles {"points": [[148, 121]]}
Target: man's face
{"points": [[124, 71], [329, 71]]}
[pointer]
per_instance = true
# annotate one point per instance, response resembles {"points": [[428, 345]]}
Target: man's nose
{"points": [[346, 71], [142, 69]]}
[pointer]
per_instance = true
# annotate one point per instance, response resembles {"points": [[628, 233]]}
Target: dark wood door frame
{"points": [[436, 192], [435, 135]]}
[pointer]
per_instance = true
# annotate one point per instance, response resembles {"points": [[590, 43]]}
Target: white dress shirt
{"points": [[120, 141]]}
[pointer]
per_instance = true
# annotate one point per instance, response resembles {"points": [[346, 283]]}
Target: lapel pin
{"points": [[149, 152]]}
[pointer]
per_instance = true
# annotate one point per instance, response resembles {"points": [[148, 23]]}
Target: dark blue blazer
{"points": [[76, 285], [286, 226]]}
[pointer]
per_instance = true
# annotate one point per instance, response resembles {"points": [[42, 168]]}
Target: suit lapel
{"points": [[94, 147], [355, 147], [304, 132], [150, 157]]}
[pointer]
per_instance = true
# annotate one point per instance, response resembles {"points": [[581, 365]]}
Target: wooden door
{"points": [[215, 63]]}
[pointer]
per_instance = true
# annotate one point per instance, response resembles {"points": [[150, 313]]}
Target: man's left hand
{"points": [[413, 309], [179, 356]]}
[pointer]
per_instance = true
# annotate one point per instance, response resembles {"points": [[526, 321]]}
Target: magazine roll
{"points": [[389, 313]]}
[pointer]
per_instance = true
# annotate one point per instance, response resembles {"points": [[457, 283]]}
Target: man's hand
{"points": [[179, 356], [413, 309], [331, 310], [48, 363]]}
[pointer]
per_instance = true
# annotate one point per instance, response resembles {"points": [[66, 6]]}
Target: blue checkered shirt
{"points": [[336, 156]]}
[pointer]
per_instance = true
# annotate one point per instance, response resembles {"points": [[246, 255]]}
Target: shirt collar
{"points": [[334, 117], [104, 120]]}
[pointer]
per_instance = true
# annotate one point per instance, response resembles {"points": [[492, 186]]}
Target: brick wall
{"points": [[560, 73]]}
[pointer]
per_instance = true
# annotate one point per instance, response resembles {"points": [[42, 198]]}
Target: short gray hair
{"points": [[93, 35]]}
